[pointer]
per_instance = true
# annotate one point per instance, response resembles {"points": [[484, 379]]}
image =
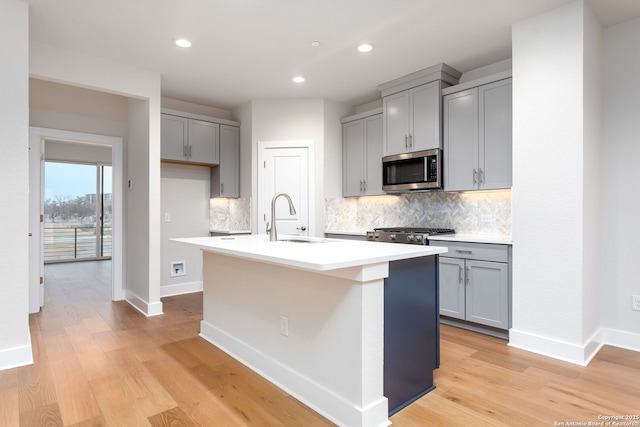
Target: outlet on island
{"points": [[635, 302], [284, 326]]}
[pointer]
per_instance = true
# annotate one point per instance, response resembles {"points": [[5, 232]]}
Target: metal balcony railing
{"points": [[76, 243]]}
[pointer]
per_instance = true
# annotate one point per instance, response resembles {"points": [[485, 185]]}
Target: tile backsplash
{"points": [[482, 212], [230, 214]]}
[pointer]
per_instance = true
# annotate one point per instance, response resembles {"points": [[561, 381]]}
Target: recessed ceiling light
{"points": [[365, 47], [298, 79], [315, 43], [182, 42]]}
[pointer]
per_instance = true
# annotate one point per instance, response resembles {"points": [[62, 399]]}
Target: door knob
{"points": [[301, 228]]}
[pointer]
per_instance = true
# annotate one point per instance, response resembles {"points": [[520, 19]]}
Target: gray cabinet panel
{"points": [[203, 139], [478, 137], [495, 134], [452, 288], [353, 148], [173, 131], [461, 140], [187, 140], [425, 113], [487, 293], [225, 179], [475, 283], [396, 123], [362, 157]]}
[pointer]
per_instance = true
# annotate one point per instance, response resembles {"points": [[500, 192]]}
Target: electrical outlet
{"points": [[284, 326], [167, 217], [635, 302]]}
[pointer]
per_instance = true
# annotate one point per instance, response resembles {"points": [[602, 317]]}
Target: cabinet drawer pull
{"points": [[463, 251]]}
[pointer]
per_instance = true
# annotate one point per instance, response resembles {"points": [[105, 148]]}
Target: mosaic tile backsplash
{"points": [[484, 213]]}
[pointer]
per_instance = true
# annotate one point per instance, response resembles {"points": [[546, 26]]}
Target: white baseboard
{"points": [[622, 339], [180, 289], [306, 390], [17, 356], [577, 354], [144, 307]]}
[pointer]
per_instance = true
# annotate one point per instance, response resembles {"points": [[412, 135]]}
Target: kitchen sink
{"points": [[301, 241]]}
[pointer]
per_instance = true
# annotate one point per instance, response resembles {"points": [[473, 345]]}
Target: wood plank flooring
{"points": [[102, 363]]}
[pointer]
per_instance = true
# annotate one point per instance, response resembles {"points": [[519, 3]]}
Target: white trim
{"points": [[307, 391], [180, 289], [144, 307], [16, 356], [623, 339], [557, 349], [37, 135]]}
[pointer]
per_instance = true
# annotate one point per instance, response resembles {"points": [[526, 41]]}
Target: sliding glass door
{"points": [[77, 211]]}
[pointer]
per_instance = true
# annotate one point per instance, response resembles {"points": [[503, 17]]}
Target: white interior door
{"points": [[283, 170]]}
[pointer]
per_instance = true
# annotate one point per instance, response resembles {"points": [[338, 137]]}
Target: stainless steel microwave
{"points": [[420, 170]]}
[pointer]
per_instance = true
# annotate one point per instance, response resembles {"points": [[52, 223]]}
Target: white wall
{"points": [[65, 107], [298, 119], [142, 214], [548, 195], [289, 119], [620, 206], [185, 196], [15, 341]]}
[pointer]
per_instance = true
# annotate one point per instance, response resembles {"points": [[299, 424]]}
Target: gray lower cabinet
{"points": [[475, 283], [477, 137], [225, 178], [187, 140], [362, 156]]}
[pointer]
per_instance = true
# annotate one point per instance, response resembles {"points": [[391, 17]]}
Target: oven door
{"points": [[420, 170]]}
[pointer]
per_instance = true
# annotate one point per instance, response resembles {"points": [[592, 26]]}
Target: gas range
{"points": [[408, 235]]}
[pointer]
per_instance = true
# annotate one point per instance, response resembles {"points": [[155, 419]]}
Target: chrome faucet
{"points": [[273, 233]]}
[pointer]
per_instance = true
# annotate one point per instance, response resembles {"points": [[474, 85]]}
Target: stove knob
{"points": [[376, 236], [410, 238], [419, 238], [392, 237]]}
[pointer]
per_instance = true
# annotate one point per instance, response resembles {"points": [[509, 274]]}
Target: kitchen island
{"points": [[307, 314]]}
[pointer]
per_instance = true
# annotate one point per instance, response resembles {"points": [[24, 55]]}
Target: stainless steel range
{"points": [[409, 235]]}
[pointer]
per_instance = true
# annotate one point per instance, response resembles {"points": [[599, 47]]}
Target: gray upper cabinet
{"points": [[478, 137], [225, 178], [187, 140], [412, 119], [362, 156]]}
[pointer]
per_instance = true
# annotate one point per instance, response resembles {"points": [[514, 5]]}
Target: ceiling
{"points": [[250, 49]]}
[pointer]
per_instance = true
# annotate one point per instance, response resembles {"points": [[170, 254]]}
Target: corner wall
{"points": [[15, 340], [620, 207], [552, 185], [142, 212]]}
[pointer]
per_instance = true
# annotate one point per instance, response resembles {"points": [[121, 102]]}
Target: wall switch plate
{"points": [[635, 302], [167, 217], [486, 218], [284, 326]]}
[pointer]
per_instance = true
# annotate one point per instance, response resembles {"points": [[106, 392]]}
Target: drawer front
{"points": [[478, 251]]}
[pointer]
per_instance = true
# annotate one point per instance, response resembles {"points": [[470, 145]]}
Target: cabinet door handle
{"points": [[410, 141], [467, 275], [460, 274], [364, 183], [480, 176], [406, 142], [475, 176], [463, 251], [222, 188]]}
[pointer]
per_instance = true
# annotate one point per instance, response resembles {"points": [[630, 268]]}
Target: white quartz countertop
{"points": [[473, 238], [319, 255]]}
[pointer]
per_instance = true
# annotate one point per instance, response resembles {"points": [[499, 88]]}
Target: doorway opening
{"points": [[77, 148], [78, 214]]}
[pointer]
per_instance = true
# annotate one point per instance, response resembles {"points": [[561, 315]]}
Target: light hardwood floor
{"points": [[102, 363]]}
